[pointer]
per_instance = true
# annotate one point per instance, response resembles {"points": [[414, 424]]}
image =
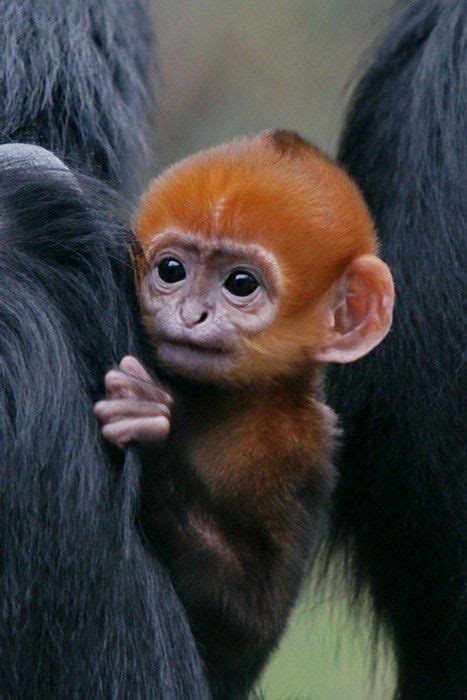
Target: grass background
{"points": [[327, 654], [230, 67]]}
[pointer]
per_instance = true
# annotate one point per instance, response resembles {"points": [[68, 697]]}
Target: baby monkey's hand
{"points": [[135, 407]]}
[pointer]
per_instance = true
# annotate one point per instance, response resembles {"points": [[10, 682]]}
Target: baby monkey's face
{"points": [[203, 298]]}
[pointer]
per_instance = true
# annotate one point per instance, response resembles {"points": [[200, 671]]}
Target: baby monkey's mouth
{"points": [[201, 347], [196, 359]]}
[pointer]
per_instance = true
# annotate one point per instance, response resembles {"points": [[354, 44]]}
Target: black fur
{"points": [[77, 77], [401, 503], [85, 610]]}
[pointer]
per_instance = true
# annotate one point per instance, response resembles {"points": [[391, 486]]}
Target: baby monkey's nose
{"points": [[193, 313], [203, 317]]}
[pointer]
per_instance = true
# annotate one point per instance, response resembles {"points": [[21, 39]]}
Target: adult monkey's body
{"points": [[400, 505], [258, 265], [86, 611]]}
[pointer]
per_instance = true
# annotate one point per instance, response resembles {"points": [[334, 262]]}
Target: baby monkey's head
{"points": [[259, 255]]}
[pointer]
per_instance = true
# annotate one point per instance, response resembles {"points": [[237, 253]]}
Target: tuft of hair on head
{"points": [[290, 143]]}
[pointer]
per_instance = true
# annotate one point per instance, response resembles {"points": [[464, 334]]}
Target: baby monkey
{"points": [[257, 267]]}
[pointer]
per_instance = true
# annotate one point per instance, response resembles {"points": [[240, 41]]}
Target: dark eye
{"points": [[171, 270], [241, 283]]}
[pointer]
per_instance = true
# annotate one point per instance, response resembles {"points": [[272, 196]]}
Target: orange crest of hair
{"points": [[276, 190]]}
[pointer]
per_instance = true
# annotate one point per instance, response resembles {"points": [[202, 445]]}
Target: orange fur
{"points": [[279, 191], [261, 426]]}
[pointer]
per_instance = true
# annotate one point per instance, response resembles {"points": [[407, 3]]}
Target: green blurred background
{"points": [[230, 67]]}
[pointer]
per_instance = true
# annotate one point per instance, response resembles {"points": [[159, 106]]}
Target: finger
{"points": [[119, 385], [115, 409], [132, 366], [153, 390], [139, 429]]}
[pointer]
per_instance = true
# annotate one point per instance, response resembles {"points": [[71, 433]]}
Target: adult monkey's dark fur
{"points": [[401, 508], [85, 611], [77, 77]]}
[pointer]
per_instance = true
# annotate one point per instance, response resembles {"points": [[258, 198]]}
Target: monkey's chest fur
{"points": [[250, 475], [245, 442]]}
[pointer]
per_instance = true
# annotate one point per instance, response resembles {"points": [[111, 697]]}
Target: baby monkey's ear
{"points": [[357, 312]]}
